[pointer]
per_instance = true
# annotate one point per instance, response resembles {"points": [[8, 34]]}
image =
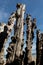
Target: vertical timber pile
{"points": [[4, 36], [18, 32], [15, 37], [1, 50], [20, 22], [41, 61], [39, 48], [30, 35], [28, 42], [20, 35]]}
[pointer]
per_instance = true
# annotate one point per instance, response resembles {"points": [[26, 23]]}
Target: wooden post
{"points": [[39, 48], [5, 34], [31, 25]]}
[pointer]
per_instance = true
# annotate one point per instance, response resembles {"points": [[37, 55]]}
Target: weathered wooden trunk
{"points": [[30, 35], [39, 48], [5, 34], [17, 39]]}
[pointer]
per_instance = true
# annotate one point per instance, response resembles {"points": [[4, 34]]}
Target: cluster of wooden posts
{"points": [[15, 54]]}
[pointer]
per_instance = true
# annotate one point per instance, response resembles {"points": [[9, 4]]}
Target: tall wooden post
{"points": [[15, 38], [4, 36], [39, 48], [20, 28], [31, 25], [28, 42]]}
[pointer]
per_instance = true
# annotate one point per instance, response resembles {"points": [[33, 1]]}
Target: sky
{"points": [[33, 7]]}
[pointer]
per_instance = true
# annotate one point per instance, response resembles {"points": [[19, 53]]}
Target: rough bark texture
{"points": [[4, 36], [39, 48], [30, 35], [15, 54]]}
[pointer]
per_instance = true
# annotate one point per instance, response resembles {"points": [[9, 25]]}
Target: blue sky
{"points": [[33, 7]]}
